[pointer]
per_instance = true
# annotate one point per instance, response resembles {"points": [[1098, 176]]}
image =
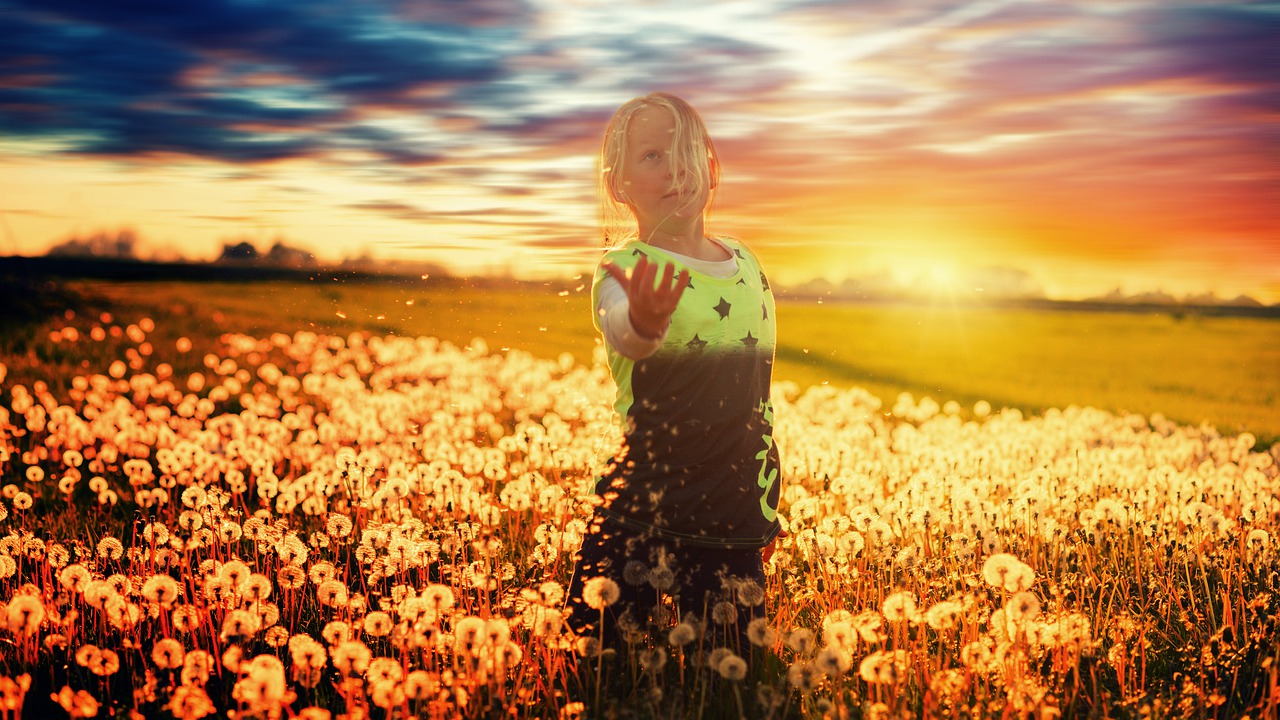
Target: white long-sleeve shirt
{"points": [[615, 310]]}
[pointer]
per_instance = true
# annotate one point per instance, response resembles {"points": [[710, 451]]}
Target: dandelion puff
{"points": [[801, 641], [256, 588], [652, 660], [803, 676], [26, 612], [467, 634], [944, 615], [351, 657], [600, 592], [833, 661], [161, 589], [868, 624], [240, 624], [682, 634], [997, 567], [439, 596], [189, 702], [168, 654], [750, 594], [290, 577], [732, 668], [661, 578], [589, 647], [724, 613], [332, 593], [196, 667], [276, 636], [77, 704], [1021, 577], [336, 632], [105, 663], [977, 655], [421, 685], [378, 624], [384, 669], [839, 634], [74, 577], [635, 573], [899, 607], [760, 633], [1003, 570], [1022, 607], [884, 667], [263, 686], [87, 655], [186, 618], [547, 621], [551, 593], [110, 548]]}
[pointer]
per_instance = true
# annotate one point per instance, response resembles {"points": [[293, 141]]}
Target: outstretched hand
{"points": [[651, 306]]}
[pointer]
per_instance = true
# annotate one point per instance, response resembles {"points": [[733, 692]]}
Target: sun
{"points": [[941, 278]]}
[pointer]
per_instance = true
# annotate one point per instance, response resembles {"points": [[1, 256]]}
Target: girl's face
{"points": [[647, 184]]}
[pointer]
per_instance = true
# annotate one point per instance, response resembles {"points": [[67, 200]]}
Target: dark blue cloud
{"points": [[133, 77], [1237, 45]]}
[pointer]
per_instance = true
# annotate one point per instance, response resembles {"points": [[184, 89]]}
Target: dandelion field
{"points": [[308, 523]]}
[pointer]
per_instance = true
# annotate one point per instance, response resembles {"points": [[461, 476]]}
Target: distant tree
{"points": [[101, 244], [241, 252], [281, 255]]}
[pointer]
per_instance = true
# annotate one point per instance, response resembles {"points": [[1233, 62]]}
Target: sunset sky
{"points": [[1093, 144]]}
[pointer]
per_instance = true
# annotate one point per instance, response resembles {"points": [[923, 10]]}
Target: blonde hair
{"points": [[693, 156]]}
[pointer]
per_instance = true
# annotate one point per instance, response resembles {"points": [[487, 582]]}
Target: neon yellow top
{"points": [[699, 462]]}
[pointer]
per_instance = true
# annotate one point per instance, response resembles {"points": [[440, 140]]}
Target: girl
{"points": [[689, 507]]}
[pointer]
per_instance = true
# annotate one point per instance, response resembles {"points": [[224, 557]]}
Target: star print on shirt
{"points": [[723, 308], [696, 343], [764, 308], [764, 281], [750, 341]]}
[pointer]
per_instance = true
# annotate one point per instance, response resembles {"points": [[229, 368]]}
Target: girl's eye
{"points": [[652, 155]]}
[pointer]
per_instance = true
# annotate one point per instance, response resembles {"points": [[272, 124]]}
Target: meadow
{"points": [[359, 501]]}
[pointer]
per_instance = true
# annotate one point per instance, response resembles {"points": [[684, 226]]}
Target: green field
{"points": [[1221, 371]]}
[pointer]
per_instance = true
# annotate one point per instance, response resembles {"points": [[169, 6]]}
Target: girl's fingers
{"points": [[643, 287], [667, 272], [618, 274], [682, 282], [644, 275]]}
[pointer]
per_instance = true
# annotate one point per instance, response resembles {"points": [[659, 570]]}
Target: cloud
{"points": [[228, 80]]}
